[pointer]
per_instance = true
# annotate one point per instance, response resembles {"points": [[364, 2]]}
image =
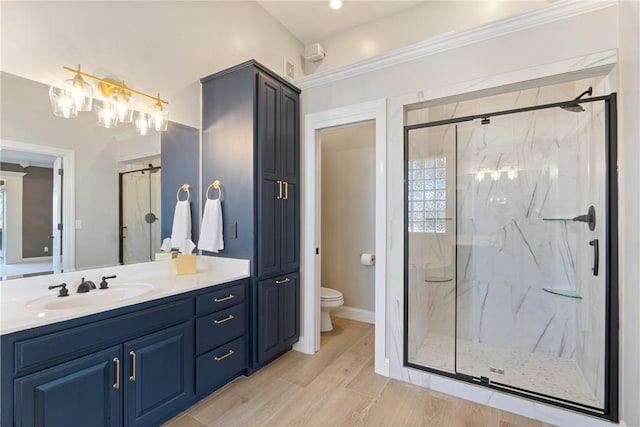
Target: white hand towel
{"points": [[211, 231], [181, 229], [166, 245]]}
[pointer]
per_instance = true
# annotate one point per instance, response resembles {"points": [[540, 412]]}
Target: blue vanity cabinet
{"points": [[278, 170], [83, 392], [221, 340], [138, 365], [158, 375], [251, 143], [278, 314]]}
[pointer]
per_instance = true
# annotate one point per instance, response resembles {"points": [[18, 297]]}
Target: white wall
{"points": [[409, 26], [629, 175], [155, 47], [527, 48], [348, 212]]}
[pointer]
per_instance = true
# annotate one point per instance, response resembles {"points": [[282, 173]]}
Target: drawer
{"points": [[67, 344], [217, 367], [220, 327], [220, 299]]}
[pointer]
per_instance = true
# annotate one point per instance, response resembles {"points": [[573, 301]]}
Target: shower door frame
{"points": [[611, 362], [120, 208]]}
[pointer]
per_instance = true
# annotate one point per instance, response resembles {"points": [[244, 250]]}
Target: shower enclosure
{"points": [[139, 223], [511, 251]]}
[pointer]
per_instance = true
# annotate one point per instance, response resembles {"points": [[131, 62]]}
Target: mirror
{"points": [[101, 157]]}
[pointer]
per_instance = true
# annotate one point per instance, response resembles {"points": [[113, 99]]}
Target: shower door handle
{"points": [[596, 255]]}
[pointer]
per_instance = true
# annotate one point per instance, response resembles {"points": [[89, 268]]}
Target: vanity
{"points": [[138, 358]]}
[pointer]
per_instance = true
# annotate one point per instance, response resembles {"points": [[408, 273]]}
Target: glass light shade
{"points": [[62, 103], [80, 91], [159, 117], [107, 114], [512, 174], [335, 4], [142, 122], [495, 175], [124, 107], [479, 176]]}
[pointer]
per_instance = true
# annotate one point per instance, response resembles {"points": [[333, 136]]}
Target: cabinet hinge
{"points": [[60, 171]]}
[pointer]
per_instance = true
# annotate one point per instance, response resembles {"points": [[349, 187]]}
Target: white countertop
{"points": [[23, 302]]}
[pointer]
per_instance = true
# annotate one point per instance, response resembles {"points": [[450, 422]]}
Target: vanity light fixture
{"points": [[335, 4], [116, 107]]}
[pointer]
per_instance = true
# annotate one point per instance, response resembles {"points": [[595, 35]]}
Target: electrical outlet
{"points": [[46, 249], [233, 230]]}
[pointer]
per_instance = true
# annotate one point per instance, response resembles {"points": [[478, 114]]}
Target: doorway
{"points": [[347, 213], [310, 291], [31, 199], [61, 238]]}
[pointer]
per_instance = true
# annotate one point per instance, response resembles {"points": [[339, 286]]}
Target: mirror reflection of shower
{"points": [[139, 213]]}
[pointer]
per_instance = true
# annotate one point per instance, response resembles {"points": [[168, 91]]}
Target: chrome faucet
{"points": [[85, 286]]}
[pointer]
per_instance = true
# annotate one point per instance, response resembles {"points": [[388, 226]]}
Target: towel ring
{"points": [[185, 188], [215, 184]]}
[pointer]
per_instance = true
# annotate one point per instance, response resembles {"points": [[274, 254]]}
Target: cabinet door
{"points": [[268, 319], [289, 309], [290, 171], [159, 373], [83, 392], [270, 181]]}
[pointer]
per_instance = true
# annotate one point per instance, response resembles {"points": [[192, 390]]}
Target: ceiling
{"points": [[312, 21]]}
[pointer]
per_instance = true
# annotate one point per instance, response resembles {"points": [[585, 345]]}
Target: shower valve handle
{"points": [[589, 218]]}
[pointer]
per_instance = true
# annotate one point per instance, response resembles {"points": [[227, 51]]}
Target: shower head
{"points": [[574, 107]]}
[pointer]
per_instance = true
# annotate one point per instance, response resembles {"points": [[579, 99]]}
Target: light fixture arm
{"points": [[113, 83]]}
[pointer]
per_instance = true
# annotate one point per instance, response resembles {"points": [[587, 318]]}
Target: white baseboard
{"points": [[357, 314]]}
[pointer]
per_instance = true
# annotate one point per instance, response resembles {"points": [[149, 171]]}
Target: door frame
{"points": [[310, 263], [68, 217]]}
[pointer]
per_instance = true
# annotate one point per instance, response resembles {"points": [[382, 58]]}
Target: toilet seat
{"points": [[328, 294]]}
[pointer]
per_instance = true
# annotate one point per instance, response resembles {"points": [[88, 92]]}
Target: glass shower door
{"points": [[140, 225], [531, 314]]}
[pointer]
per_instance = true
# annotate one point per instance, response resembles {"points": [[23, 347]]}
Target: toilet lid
{"points": [[329, 294]]}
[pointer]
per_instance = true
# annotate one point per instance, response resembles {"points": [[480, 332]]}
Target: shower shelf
{"points": [[437, 279], [563, 292]]}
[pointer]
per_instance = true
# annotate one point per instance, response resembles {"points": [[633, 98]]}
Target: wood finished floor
{"points": [[336, 387]]}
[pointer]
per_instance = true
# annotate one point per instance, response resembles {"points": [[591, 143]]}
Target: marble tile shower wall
{"points": [[506, 252]]}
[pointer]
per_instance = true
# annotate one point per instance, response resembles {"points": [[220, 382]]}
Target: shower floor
{"points": [[534, 372]]}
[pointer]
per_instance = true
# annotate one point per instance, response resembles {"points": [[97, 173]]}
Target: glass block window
{"points": [[427, 195]]}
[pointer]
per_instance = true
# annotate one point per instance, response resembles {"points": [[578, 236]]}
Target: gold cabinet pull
{"points": [[285, 280], [116, 362], [219, 358], [286, 190], [227, 298], [133, 366], [279, 190], [226, 319]]}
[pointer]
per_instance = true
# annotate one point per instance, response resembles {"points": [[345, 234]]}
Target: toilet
{"points": [[330, 299]]}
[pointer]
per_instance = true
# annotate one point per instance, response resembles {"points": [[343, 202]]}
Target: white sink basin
{"points": [[94, 298]]}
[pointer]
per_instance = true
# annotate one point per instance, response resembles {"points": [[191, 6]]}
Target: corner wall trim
{"points": [[551, 13]]}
